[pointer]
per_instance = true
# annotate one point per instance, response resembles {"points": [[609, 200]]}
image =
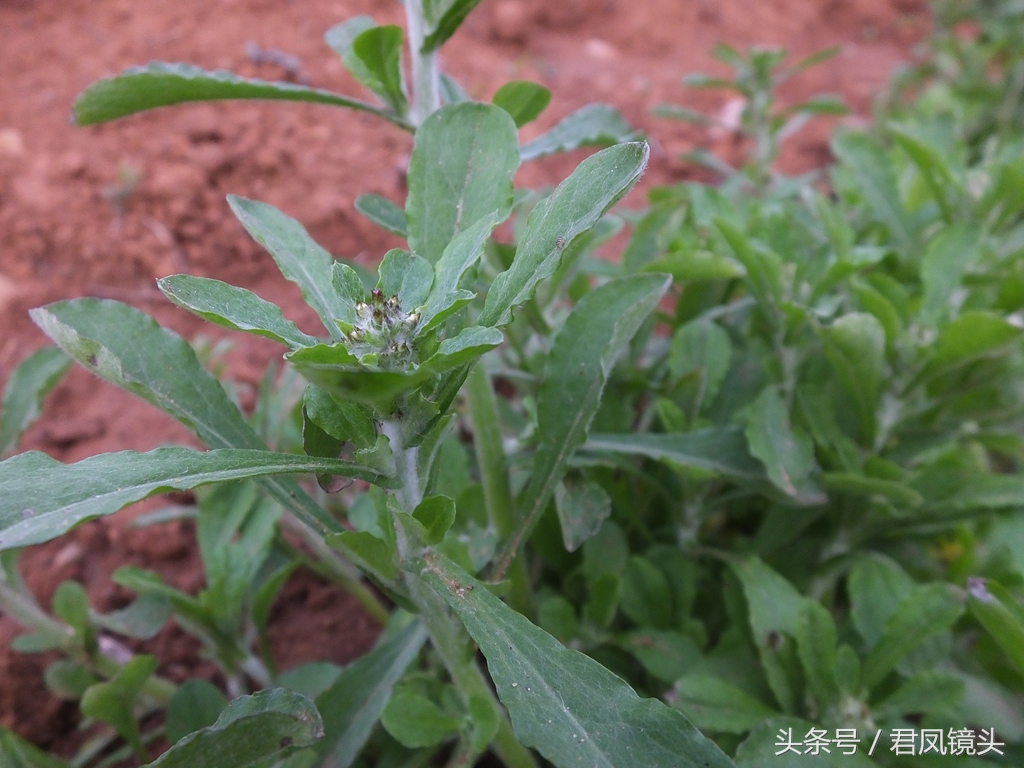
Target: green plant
{"points": [[756, 77]]}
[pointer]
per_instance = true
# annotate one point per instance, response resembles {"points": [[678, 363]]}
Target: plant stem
{"points": [[426, 92], [406, 464]]}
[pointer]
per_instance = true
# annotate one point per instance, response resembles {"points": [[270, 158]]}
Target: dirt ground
{"points": [[104, 211]]}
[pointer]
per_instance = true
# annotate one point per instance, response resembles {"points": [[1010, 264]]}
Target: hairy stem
{"points": [[426, 92]]}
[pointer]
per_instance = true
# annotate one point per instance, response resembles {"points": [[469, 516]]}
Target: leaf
{"points": [[383, 213], [234, 308], [874, 173], [877, 586], [161, 84], [687, 266], [855, 345], [763, 267], [143, 619], [943, 265], [460, 172], [68, 680], [896, 492], [664, 654], [113, 702], [995, 609], [379, 50], [406, 276], [354, 703], [195, 705], [573, 208], [787, 454], [646, 594], [459, 254], [342, 421], [40, 498], [26, 388], [715, 705], [454, 14], [721, 450], [523, 100], [593, 338], [704, 346], [595, 125], [15, 752], [925, 611], [253, 729], [436, 514], [415, 721], [973, 335], [582, 505], [299, 258], [574, 711], [817, 642]]}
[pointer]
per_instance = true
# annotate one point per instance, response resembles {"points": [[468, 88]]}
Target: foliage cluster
{"points": [[761, 474]]}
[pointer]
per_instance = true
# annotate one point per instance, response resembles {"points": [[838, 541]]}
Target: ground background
{"points": [[68, 228]]}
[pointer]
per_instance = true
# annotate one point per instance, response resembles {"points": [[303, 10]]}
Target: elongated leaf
{"points": [[585, 350], [764, 268], [817, 645], [23, 396], [573, 208], [942, 268], [379, 49], [461, 253], [848, 482], [582, 506], [234, 308], [127, 348], [926, 611], [454, 13], [113, 702], [464, 348], [40, 498], [355, 701], [252, 730], [595, 125], [415, 721], [995, 609], [460, 172], [877, 586], [564, 704], [195, 705], [161, 84], [523, 100], [15, 752], [721, 450], [383, 213], [299, 258], [787, 454], [715, 705], [406, 276], [855, 345], [874, 173]]}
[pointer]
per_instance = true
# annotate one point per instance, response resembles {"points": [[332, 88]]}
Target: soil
{"points": [[104, 211]]}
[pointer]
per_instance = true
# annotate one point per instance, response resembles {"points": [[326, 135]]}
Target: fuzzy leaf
{"points": [[787, 454], [595, 125], [460, 172], [379, 50], [582, 507], [564, 704], [161, 84], [406, 276], [523, 100], [26, 388], [719, 450], [234, 308], [855, 345], [448, 16], [383, 213], [715, 705], [573, 208]]}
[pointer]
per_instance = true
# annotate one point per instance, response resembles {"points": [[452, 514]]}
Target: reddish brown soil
{"points": [[69, 226]]}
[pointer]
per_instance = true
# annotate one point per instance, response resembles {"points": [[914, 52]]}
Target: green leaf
{"points": [[459, 255], [972, 336], [26, 388], [234, 308], [383, 213], [996, 610], [161, 84], [924, 693], [299, 258], [67, 679], [933, 166], [595, 125], [593, 338], [195, 705], [354, 703], [40, 498], [460, 172], [877, 586], [252, 730], [787, 454], [715, 705], [573, 208], [855, 345], [415, 721], [407, 276], [15, 752], [817, 646], [694, 266], [896, 492], [342, 421], [582, 505], [574, 711], [379, 51], [436, 513], [371, 554], [925, 611], [719, 450], [873, 170], [454, 13], [764, 268], [142, 619], [943, 266], [646, 595], [704, 346], [523, 100], [664, 654], [469, 345], [113, 702]]}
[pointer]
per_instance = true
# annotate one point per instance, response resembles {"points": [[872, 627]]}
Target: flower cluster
{"points": [[383, 334]]}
